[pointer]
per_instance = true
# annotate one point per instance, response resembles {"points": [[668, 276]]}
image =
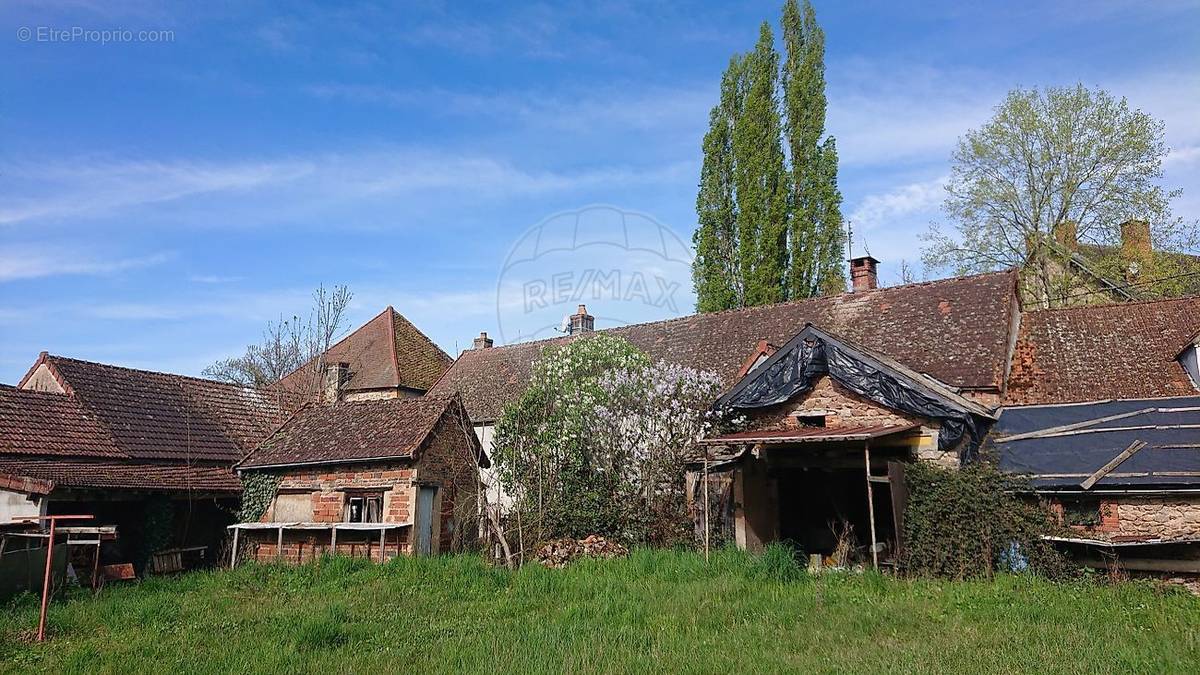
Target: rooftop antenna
{"points": [[565, 326], [849, 239]]}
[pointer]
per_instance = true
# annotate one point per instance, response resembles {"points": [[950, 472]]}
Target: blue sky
{"points": [[160, 201]]}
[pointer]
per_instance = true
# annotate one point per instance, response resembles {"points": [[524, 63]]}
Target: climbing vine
{"points": [[972, 522], [258, 489], [158, 525]]}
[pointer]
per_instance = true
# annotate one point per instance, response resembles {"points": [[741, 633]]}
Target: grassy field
{"points": [[654, 612]]}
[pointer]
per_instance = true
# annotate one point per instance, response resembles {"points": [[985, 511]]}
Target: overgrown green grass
{"points": [[654, 612]]}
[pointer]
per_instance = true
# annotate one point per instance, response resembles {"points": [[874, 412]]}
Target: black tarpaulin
{"points": [[813, 353], [1099, 432]]}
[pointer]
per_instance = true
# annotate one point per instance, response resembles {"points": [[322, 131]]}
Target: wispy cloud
{"points": [[34, 262], [876, 210], [80, 188], [90, 186]]}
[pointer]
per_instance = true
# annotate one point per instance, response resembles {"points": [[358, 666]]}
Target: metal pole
{"points": [[871, 504], [233, 555], [382, 535], [41, 636]]}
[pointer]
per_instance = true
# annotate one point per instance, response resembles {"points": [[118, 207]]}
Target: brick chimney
{"points": [[581, 322], [1067, 235], [483, 341], [336, 375], [863, 273], [1136, 247]]}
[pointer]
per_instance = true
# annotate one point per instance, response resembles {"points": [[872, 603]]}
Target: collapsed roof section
{"points": [[814, 352], [1121, 444]]}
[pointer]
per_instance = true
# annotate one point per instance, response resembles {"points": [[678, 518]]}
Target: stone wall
{"points": [[842, 408], [1144, 518]]}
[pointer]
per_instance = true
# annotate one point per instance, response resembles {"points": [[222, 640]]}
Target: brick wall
{"points": [[446, 462]]}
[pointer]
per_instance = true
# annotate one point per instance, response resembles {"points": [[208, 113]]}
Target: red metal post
{"points": [[41, 636], [46, 582]]}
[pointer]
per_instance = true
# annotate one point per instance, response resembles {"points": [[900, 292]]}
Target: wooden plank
{"points": [[1112, 464], [1070, 427], [871, 503], [899, 492]]}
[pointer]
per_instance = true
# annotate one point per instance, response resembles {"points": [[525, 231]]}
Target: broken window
{"points": [[1082, 512], [365, 508]]}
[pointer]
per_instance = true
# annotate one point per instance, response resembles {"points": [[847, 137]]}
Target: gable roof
{"points": [[1126, 350], [116, 474], [957, 330], [358, 431], [160, 416], [385, 353]]}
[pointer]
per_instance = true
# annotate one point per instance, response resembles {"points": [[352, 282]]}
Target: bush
{"points": [[970, 523]]}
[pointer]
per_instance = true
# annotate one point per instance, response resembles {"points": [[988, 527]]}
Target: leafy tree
{"points": [[760, 179], [715, 271], [815, 236], [1054, 164], [594, 445], [767, 233]]}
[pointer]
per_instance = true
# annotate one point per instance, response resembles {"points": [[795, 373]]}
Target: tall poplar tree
{"points": [[760, 179], [815, 228], [768, 232], [716, 272]]}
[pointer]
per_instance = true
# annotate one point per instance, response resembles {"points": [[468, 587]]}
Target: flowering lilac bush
{"points": [[596, 444]]}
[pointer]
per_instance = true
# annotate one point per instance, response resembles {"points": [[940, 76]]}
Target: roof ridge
{"points": [[392, 314], [152, 372], [755, 308]]}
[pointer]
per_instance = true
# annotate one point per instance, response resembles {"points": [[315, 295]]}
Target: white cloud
{"points": [[880, 209], [27, 262], [86, 186], [80, 189]]}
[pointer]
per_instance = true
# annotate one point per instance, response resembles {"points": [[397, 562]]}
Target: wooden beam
{"points": [[1112, 464], [870, 503], [233, 555], [1070, 427]]}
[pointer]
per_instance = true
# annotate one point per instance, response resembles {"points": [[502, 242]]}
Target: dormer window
{"points": [[1189, 358]]}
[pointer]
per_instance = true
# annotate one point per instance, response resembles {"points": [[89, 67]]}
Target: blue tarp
{"points": [[1080, 454]]}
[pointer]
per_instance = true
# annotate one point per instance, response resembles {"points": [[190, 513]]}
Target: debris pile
{"points": [[559, 553]]}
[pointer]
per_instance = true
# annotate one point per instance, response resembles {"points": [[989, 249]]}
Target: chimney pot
{"points": [[864, 275], [483, 341], [581, 321]]}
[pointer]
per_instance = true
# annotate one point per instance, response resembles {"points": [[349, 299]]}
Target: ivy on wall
{"points": [[971, 522], [258, 489], [158, 528]]}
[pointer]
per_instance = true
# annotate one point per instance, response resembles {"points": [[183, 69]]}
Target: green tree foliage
{"points": [[715, 270], [546, 461], [815, 236], [769, 230], [1052, 165], [595, 444], [971, 523], [760, 179]]}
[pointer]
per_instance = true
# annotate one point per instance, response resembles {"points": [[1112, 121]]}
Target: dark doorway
{"points": [[815, 505]]}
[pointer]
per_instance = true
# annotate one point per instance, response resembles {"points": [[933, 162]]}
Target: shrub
{"points": [[971, 523]]}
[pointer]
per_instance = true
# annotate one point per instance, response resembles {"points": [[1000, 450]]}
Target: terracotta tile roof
{"points": [[82, 473], [956, 330], [1103, 352], [159, 416], [384, 353], [355, 431], [38, 423]]}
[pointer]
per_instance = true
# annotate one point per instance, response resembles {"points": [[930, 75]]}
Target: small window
{"points": [[1081, 512], [811, 418], [364, 508]]}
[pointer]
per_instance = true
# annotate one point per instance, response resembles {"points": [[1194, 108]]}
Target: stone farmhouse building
{"points": [[929, 372], [1097, 404], [78, 437], [375, 478]]}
